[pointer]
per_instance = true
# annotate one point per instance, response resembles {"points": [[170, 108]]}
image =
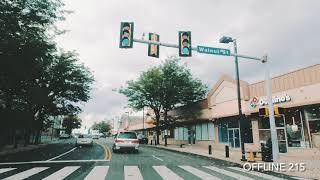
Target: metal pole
{"points": [[243, 153], [275, 145], [192, 48], [143, 121]]}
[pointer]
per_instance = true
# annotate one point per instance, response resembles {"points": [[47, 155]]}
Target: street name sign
{"points": [[212, 50]]}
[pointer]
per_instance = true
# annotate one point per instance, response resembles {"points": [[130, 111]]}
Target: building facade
{"points": [[215, 120]]}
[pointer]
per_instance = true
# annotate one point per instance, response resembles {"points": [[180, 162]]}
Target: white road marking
{"points": [[98, 173], [157, 158], [228, 173], [132, 173], [266, 176], [48, 162], [198, 173], [26, 174], [166, 173], [62, 154], [3, 170], [62, 173]]}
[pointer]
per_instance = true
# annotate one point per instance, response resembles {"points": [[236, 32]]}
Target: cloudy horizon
{"points": [[285, 30]]}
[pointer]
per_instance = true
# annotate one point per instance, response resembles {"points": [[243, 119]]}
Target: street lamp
{"points": [[227, 40]]}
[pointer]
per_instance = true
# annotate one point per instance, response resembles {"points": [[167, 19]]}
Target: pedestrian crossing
{"points": [[135, 173]]}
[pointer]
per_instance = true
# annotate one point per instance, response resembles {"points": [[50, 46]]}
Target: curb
{"points": [[198, 155]]}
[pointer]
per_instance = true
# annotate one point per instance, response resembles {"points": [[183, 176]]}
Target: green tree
{"points": [[71, 122], [36, 78], [102, 127], [164, 88]]}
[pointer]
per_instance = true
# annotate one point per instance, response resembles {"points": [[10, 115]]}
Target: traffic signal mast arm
{"points": [[192, 48]]}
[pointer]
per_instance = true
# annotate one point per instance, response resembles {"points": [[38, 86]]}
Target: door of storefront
{"points": [[234, 137]]}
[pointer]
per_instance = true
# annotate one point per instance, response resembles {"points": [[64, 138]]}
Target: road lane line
{"points": [[157, 158], [106, 150], [62, 154], [166, 173], [98, 173], [58, 161], [62, 173], [3, 170], [266, 176], [26, 174], [132, 173], [198, 173], [228, 173]]}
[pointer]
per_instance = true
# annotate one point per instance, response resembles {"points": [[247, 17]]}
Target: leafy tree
{"points": [[164, 88], [35, 77], [71, 122], [103, 127]]}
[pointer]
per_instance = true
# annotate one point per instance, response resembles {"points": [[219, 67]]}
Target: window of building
{"points": [[198, 132], [223, 131], [211, 131]]}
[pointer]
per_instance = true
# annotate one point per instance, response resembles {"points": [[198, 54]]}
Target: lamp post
{"points": [[128, 120], [143, 121], [227, 40]]}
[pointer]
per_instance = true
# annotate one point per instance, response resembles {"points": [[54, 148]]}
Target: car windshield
{"points": [[127, 135]]}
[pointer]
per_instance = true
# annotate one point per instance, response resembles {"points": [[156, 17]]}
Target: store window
{"points": [[203, 131], [223, 131], [312, 116], [294, 127]]}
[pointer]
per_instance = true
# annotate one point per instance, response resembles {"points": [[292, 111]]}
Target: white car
{"points": [[84, 139], [126, 141]]}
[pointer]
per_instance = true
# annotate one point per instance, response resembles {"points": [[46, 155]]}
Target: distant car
{"points": [[142, 139], [103, 136], [84, 139], [64, 136], [95, 136], [126, 141]]}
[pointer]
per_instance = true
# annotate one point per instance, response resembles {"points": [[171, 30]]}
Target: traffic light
{"points": [[265, 111], [153, 50], [185, 44], [126, 35], [278, 110]]}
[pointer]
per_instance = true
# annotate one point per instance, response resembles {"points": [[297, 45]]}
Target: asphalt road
{"points": [[63, 160]]}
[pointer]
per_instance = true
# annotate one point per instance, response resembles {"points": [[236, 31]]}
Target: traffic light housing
{"points": [[185, 44], [263, 112], [277, 111], [153, 50], [126, 34]]}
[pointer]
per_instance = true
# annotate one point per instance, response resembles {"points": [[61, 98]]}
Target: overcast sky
{"points": [[287, 30]]}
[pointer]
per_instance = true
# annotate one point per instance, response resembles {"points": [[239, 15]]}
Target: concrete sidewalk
{"points": [[311, 158]]}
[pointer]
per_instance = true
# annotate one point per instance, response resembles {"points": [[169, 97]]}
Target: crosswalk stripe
{"points": [[200, 174], [266, 176], [132, 173], [3, 170], [166, 173], [62, 173], [26, 174], [228, 173], [98, 173]]}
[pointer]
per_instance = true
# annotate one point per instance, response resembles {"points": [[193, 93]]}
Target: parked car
{"points": [[142, 139], [84, 139], [126, 141]]}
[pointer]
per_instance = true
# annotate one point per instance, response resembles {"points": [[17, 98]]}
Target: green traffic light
{"points": [[125, 42], [185, 50]]}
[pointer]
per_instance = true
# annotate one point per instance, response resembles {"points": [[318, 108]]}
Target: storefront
{"points": [[296, 92]]}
